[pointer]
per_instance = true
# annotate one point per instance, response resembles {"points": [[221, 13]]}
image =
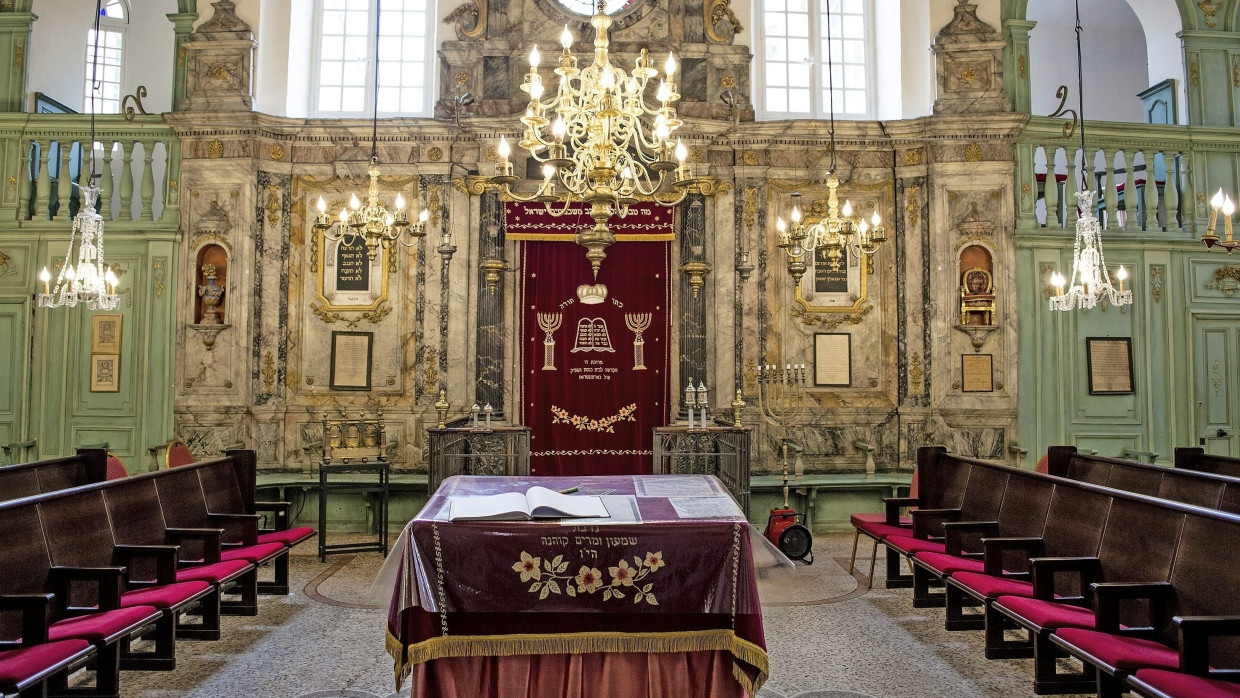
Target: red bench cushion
{"points": [[993, 587], [165, 596], [97, 627], [288, 537], [1047, 614], [253, 553], [21, 664], [882, 531], [950, 564], [1173, 683], [909, 545], [859, 519], [215, 573], [1127, 653]]}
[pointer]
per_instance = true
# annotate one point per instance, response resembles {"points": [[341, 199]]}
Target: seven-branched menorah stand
{"points": [[638, 323], [549, 323], [784, 402]]}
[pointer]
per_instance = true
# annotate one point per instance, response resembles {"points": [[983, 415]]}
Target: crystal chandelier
{"points": [[1221, 203], [599, 140], [89, 281], [841, 232], [1091, 280], [373, 223]]}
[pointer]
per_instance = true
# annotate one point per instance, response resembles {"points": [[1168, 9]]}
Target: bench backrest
{"points": [[1196, 458], [24, 560], [1186, 486], [39, 477], [1205, 580]]}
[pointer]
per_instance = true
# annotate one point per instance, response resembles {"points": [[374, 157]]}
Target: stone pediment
{"points": [[966, 27]]}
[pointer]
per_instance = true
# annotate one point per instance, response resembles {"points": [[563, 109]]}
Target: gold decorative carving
{"points": [[1235, 71], [1046, 269], [915, 374], [269, 373], [969, 74], [1226, 280], [912, 210], [330, 317], [1194, 69], [19, 53], [728, 81], [722, 24], [750, 157], [912, 157], [275, 152], [160, 276], [470, 19], [461, 78], [832, 321], [219, 72], [6, 268], [1209, 9], [750, 208], [697, 154], [1020, 64], [1157, 278], [12, 181], [751, 374], [430, 370], [181, 59], [434, 154], [490, 154], [973, 153], [273, 206], [174, 184], [434, 204], [471, 185], [215, 149]]}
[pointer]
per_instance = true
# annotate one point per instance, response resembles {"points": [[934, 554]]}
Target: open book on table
{"points": [[534, 503]]}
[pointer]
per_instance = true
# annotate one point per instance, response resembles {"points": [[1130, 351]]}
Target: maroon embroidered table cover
{"points": [[673, 582]]}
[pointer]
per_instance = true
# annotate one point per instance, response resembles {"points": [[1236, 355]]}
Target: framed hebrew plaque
{"points": [[351, 353], [105, 373], [1109, 360], [105, 334], [977, 373], [833, 359]]}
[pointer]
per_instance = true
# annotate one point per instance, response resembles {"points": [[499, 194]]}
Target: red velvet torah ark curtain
{"points": [[594, 354]]}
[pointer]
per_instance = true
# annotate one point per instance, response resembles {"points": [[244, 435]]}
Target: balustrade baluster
{"points": [[43, 191], [126, 212], [1171, 192], [1149, 199], [148, 180], [1132, 197], [105, 182], [27, 172], [1071, 187], [1050, 191], [64, 181], [1110, 189]]}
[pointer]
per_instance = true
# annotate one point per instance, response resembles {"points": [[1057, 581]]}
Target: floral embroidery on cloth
{"points": [[548, 575], [561, 416]]}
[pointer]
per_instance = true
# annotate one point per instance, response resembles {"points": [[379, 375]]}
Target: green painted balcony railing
{"points": [[45, 157]]}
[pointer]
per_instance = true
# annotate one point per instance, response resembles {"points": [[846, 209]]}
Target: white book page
{"points": [[547, 503], [495, 507], [705, 507]]}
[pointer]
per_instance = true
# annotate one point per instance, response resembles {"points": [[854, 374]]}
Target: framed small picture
{"points": [[1109, 361], [105, 370], [833, 359], [977, 373], [351, 360], [105, 334]]}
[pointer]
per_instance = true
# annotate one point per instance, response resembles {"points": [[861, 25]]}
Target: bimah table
{"points": [[660, 599]]}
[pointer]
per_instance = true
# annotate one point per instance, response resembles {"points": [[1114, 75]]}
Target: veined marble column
{"points": [[489, 363], [692, 311]]}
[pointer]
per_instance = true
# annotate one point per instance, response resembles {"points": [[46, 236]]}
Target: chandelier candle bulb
{"points": [[45, 277], [1122, 275], [1216, 203]]}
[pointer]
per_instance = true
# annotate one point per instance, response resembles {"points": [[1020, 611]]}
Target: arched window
{"points": [[792, 62], [344, 74], [102, 92]]}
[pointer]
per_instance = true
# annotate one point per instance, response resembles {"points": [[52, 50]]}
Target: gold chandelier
{"points": [[372, 224], [599, 140]]}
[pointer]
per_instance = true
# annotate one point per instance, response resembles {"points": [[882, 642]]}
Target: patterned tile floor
{"points": [[827, 635]]}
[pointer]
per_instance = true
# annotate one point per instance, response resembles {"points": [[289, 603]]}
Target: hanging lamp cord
{"points": [[831, 89], [374, 121], [95, 87], [1080, 97]]}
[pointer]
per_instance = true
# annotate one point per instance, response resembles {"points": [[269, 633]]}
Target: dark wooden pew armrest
{"points": [[893, 505], [1107, 596], [209, 537], [923, 517], [165, 557], [995, 548], [280, 511], [1044, 571], [1195, 634], [239, 528], [33, 608], [107, 581], [953, 534]]}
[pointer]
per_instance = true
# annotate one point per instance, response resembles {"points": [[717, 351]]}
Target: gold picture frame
{"points": [[105, 371], [105, 334]]}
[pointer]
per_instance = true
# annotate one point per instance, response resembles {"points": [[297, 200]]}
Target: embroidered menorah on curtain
{"points": [[594, 353]]}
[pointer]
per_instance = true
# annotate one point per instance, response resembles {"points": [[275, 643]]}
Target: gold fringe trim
{"points": [[583, 643], [569, 237]]}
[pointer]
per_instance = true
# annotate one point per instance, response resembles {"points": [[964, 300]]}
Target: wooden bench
{"points": [[1194, 458], [38, 477], [1204, 489]]}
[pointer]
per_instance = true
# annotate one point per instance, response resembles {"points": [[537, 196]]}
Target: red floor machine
{"points": [[785, 528]]}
